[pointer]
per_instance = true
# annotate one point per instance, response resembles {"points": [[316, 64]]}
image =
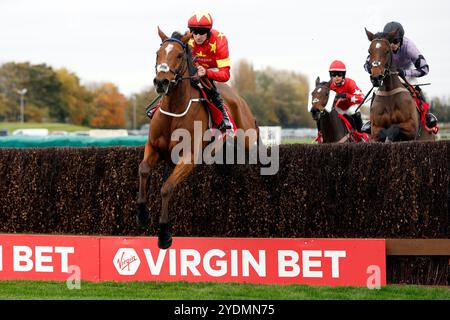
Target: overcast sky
{"points": [[116, 41]]}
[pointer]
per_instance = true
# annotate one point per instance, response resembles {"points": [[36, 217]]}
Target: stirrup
{"points": [[224, 126], [366, 128]]}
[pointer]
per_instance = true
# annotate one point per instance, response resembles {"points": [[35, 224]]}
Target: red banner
{"points": [[247, 260], [42, 257]]}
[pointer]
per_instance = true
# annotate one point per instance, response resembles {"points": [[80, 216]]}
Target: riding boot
{"points": [[215, 97], [431, 120], [367, 128], [357, 121], [318, 125], [350, 119]]}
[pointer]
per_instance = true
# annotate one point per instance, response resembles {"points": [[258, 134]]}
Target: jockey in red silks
{"points": [[348, 94], [210, 51]]}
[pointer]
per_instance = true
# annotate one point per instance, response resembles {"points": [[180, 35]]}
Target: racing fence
{"points": [[395, 191]]}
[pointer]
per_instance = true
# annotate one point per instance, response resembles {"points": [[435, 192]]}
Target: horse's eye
{"points": [[180, 56]]}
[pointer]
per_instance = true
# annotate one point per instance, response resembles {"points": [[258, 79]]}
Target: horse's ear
{"points": [[370, 35], [162, 35], [317, 81], [187, 36]]}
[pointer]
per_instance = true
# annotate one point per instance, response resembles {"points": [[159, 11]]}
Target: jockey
{"points": [[348, 95], [210, 51], [408, 59]]}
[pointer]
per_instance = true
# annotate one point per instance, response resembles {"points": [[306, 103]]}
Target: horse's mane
{"points": [[192, 69], [381, 35]]}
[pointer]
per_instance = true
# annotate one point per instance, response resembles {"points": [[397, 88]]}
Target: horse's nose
{"points": [[161, 85]]}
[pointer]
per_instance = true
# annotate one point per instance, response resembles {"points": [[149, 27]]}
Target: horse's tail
{"points": [[391, 134]]}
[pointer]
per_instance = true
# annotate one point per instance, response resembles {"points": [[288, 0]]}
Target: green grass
{"points": [[297, 141], [11, 126], [40, 290]]}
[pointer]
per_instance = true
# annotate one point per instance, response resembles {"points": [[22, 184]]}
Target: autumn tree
{"points": [[77, 100], [276, 97], [136, 104], [244, 77], [108, 107]]}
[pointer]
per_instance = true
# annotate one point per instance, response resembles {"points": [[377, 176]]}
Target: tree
{"points": [[276, 97], [77, 100], [141, 99], [108, 107], [244, 77], [441, 108], [43, 90], [3, 106]]}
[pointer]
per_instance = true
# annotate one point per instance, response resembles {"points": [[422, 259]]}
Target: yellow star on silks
{"points": [[191, 42], [201, 14], [220, 35], [213, 47], [201, 55]]}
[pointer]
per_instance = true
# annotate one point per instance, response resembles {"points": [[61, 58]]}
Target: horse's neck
{"points": [[391, 82], [332, 127], [179, 98]]}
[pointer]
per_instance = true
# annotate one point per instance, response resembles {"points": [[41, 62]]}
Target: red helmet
{"points": [[338, 66], [200, 20]]}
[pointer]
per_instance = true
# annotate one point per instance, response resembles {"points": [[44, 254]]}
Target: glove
{"points": [[401, 73], [341, 96]]}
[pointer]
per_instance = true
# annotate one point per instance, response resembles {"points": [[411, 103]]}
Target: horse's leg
{"points": [[181, 171], [151, 157]]}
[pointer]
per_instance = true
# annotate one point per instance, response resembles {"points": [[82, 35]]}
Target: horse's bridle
{"points": [[315, 100], [178, 73], [387, 66]]}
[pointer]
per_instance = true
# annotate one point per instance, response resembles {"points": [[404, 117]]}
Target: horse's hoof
{"points": [[164, 237], [142, 216], [165, 242]]}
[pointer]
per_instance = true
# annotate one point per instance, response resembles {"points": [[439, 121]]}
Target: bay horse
{"points": [[393, 113], [180, 107], [332, 127]]}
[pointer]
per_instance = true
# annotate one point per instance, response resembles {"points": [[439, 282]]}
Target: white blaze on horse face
{"points": [[163, 67], [169, 48], [378, 46], [319, 91]]}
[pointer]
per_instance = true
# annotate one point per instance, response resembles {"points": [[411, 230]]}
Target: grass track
{"points": [[31, 290], [11, 126]]}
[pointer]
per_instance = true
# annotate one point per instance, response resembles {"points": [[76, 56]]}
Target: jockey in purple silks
{"points": [[409, 61]]}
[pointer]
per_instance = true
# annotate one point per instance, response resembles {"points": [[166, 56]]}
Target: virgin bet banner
{"points": [[331, 262]]}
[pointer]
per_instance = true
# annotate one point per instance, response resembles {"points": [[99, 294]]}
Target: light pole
{"points": [[22, 94]]}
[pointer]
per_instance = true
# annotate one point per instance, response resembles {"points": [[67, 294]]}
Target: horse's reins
{"points": [[178, 77], [387, 66], [178, 73]]}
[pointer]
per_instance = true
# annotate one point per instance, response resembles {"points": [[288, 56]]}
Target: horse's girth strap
{"points": [[392, 92]]}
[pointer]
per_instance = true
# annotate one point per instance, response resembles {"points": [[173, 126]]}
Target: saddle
{"points": [[214, 112], [352, 136], [356, 136]]}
